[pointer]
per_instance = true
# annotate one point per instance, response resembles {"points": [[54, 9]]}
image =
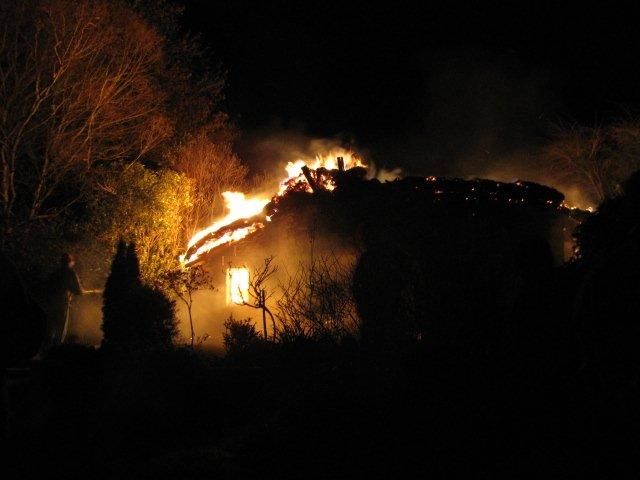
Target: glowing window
{"points": [[237, 285]]}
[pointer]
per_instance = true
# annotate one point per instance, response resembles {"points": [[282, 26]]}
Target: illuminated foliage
{"points": [[213, 168], [77, 88], [142, 206], [90, 91]]}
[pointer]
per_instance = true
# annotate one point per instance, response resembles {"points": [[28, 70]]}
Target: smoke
{"points": [[294, 240], [85, 320], [85, 316], [483, 114], [385, 175], [268, 150], [208, 312], [525, 165]]}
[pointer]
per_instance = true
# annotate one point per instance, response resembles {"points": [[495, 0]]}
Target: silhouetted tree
{"points": [[132, 264], [597, 159], [240, 338], [114, 297], [152, 321], [134, 315], [607, 303], [317, 302], [258, 293]]}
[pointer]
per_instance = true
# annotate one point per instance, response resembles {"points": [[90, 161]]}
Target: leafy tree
{"points": [[193, 84], [213, 168], [143, 206]]}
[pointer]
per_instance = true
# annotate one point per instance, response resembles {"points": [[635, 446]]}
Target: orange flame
{"points": [[328, 162], [239, 207], [224, 231]]}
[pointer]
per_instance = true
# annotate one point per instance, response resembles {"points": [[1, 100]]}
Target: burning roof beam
{"points": [[310, 180]]}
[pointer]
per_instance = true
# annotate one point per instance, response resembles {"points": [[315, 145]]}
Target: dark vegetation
{"points": [[135, 316]]}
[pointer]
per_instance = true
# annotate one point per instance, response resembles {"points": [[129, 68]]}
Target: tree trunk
{"points": [[191, 325], [264, 313]]}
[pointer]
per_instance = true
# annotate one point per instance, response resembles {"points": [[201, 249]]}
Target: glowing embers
{"points": [[237, 285]]}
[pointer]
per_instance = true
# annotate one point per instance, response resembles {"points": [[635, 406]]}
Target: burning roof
{"points": [[343, 179]]}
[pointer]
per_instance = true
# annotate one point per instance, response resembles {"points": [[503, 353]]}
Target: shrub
{"points": [[136, 316], [240, 337]]}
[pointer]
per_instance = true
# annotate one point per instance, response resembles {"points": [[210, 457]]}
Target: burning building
{"points": [[457, 231]]}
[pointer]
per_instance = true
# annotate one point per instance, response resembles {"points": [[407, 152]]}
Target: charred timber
{"points": [[306, 171]]}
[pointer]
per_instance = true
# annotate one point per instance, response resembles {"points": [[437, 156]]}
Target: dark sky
{"points": [[414, 85]]}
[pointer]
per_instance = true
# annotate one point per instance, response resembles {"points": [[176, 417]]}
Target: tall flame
{"points": [[245, 214], [238, 207]]}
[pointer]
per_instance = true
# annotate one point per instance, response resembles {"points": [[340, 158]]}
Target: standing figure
{"points": [[64, 284]]}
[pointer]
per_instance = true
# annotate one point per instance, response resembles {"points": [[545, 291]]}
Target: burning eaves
{"points": [[346, 176]]}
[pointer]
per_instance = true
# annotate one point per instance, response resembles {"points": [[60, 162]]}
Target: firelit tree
{"points": [[77, 89], [212, 166], [258, 293], [135, 316], [184, 283]]}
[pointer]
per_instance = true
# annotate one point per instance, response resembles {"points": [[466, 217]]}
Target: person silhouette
{"points": [[64, 284]]}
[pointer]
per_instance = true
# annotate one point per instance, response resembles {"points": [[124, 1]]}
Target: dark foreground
{"points": [[316, 411]]}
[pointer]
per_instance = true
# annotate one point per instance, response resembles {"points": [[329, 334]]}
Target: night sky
{"points": [[420, 86]]}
